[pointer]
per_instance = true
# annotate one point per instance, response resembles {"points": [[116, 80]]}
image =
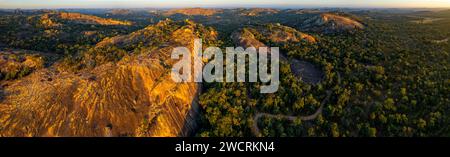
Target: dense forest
{"points": [[390, 79]]}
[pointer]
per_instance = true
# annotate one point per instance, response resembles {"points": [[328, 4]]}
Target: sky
{"points": [[40, 4]]}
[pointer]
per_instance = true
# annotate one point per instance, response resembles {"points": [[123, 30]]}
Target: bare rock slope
{"points": [[133, 97], [331, 23]]}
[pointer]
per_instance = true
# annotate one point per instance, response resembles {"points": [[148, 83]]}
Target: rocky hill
{"points": [[193, 11], [246, 38], [55, 18], [275, 33], [278, 33], [330, 23], [132, 97], [120, 12], [259, 36], [259, 11]]}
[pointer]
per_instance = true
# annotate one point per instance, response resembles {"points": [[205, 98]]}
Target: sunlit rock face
{"points": [[133, 97]]}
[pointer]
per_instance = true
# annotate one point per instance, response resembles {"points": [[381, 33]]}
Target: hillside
{"points": [[330, 23], [246, 38], [259, 11], [193, 11], [280, 35], [274, 33], [47, 32], [94, 102], [51, 19], [156, 35]]}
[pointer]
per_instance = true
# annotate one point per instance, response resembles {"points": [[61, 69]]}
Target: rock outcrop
{"points": [[274, 33], [246, 37], [331, 23], [133, 97], [278, 34]]}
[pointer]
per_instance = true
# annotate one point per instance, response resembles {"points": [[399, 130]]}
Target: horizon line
{"points": [[229, 7]]}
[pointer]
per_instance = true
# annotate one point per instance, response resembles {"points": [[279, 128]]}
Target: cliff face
{"points": [[134, 97]]}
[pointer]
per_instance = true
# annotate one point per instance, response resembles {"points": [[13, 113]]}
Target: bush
{"points": [[16, 74]]}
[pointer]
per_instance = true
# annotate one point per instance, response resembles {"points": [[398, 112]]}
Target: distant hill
{"points": [[245, 38], [120, 12], [278, 33], [47, 31], [259, 36], [50, 18], [154, 35], [275, 33], [259, 11], [330, 23], [193, 11]]}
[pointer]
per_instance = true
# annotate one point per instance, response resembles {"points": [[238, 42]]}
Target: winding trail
{"points": [[258, 115], [309, 74], [304, 70]]}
